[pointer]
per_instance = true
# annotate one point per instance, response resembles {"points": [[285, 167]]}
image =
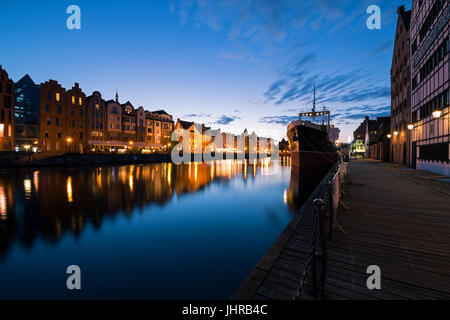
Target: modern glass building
{"points": [[26, 115]]}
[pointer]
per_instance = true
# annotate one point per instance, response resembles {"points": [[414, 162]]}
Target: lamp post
{"points": [[69, 140], [410, 126]]}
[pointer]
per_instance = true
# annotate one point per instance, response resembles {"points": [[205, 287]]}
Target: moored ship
{"points": [[309, 140]]}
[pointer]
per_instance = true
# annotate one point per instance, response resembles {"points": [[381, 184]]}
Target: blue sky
{"points": [[232, 64]]}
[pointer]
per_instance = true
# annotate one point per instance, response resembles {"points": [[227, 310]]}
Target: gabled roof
{"points": [[185, 124], [406, 18], [161, 112]]}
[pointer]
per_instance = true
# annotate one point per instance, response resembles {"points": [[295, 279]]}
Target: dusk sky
{"points": [[232, 64]]}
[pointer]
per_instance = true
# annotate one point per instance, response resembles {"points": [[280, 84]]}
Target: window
{"points": [[72, 111], [157, 124], [101, 125], [80, 101], [49, 121], [73, 123], [47, 108], [2, 130], [57, 121], [59, 135], [57, 96], [81, 135], [149, 130], [81, 112], [49, 95], [97, 106], [73, 99], [46, 134], [59, 110], [80, 124]]}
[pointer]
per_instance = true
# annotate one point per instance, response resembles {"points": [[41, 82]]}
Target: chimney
{"points": [[401, 9]]}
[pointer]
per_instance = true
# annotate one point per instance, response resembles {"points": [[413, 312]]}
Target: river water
{"points": [[153, 231]]}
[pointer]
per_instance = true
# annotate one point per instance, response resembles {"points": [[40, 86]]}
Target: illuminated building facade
{"points": [[401, 90], [96, 121], [430, 85], [6, 112]]}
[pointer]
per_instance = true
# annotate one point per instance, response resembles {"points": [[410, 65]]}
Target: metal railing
{"points": [[323, 202]]}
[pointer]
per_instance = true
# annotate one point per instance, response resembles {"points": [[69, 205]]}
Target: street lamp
{"points": [[389, 135], [410, 126], [395, 133], [437, 114], [69, 140], [131, 143]]}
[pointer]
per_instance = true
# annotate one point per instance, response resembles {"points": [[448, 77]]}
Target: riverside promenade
{"points": [[397, 219]]}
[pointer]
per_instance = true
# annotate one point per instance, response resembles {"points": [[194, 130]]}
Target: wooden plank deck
{"points": [[394, 222]]}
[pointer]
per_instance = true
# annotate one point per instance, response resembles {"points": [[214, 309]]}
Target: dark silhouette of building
{"points": [[380, 145], [96, 121]]}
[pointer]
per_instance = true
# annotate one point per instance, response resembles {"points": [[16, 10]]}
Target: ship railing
{"points": [[324, 204]]}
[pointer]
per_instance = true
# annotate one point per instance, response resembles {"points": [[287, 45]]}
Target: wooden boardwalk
{"points": [[393, 222]]}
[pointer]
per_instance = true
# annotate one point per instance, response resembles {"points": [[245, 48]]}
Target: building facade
{"points": [[380, 146], [26, 115], [6, 112], [52, 124], [401, 90], [129, 119], [76, 120], [114, 120], [430, 85], [96, 121]]}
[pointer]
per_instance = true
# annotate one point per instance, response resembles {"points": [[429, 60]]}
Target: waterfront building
{"points": [[76, 123], [140, 126], [52, 118], [97, 132], [197, 131], [401, 90], [166, 126], [380, 146], [430, 85], [114, 121], [333, 134], [26, 115], [129, 116], [6, 112]]}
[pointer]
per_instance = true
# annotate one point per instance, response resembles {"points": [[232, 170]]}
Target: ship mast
{"points": [[314, 101]]}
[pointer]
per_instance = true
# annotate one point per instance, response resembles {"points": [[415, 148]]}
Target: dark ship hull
{"points": [[310, 146]]}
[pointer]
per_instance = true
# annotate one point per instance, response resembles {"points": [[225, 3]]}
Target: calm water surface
{"points": [[155, 231]]}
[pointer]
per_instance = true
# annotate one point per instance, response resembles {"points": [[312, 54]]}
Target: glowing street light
{"points": [[395, 133], [437, 114], [410, 126], [131, 143], [389, 135]]}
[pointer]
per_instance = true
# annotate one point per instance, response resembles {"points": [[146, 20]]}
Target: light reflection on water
{"points": [[140, 231]]}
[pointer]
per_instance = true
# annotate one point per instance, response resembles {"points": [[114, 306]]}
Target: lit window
{"points": [[57, 97], [2, 128], [80, 101], [73, 99]]}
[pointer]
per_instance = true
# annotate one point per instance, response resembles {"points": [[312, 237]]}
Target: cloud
{"points": [[226, 119], [197, 115], [283, 120]]}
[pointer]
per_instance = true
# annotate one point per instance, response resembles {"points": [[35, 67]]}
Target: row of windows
{"points": [[432, 15], [434, 152], [97, 125], [97, 116], [59, 110], [59, 135], [433, 61], [438, 103], [58, 98]]}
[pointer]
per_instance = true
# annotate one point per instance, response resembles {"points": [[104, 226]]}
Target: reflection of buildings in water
{"points": [[48, 202]]}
